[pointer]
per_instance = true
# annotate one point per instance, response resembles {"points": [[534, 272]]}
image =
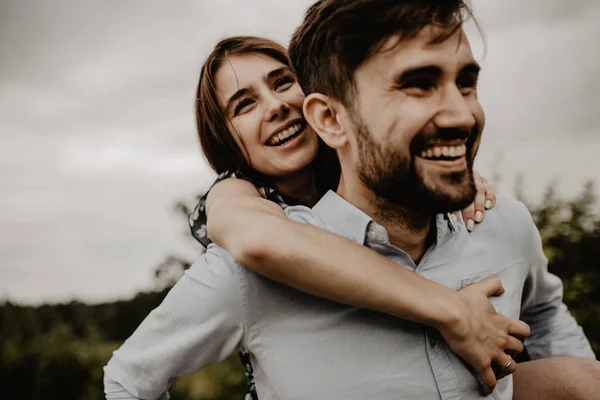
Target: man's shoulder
{"points": [[305, 215], [510, 209], [215, 262], [216, 254], [509, 221]]}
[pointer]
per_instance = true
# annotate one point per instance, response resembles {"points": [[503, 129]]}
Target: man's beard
{"points": [[393, 177]]}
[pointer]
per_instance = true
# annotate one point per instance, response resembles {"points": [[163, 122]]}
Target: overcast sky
{"points": [[97, 135]]}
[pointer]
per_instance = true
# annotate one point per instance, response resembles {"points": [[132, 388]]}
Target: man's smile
{"points": [[446, 156], [454, 163], [441, 152]]}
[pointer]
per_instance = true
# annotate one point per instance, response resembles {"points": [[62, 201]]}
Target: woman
{"points": [[250, 124]]}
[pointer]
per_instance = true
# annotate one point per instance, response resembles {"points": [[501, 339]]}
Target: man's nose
{"points": [[275, 107], [455, 111]]}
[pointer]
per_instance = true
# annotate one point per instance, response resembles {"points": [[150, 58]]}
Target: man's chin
{"points": [[426, 191], [451, 204], [436, 203], [449, 195]]}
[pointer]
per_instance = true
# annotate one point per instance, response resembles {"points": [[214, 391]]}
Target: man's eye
{"points": [[284, 83], [421, 84], [242, 106], [467, 83]]}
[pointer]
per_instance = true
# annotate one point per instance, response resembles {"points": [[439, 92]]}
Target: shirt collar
{"points": [[349, 221], [342, 217]]}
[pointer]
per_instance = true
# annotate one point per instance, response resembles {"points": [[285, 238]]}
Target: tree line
{"points": [[58, 351]]}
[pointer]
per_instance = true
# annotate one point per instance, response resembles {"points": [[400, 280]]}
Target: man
{"points": [[393, 90]]}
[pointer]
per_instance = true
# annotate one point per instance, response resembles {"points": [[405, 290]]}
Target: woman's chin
{"points": [[290, 167]]}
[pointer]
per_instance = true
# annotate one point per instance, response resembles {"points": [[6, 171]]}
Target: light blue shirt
{"points": [[304, 347]]}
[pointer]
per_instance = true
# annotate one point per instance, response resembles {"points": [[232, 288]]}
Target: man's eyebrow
{"points": [[471, 68], [411, 73]]}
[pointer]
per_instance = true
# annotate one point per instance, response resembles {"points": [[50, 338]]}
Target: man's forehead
{"points": [[425, 47]]}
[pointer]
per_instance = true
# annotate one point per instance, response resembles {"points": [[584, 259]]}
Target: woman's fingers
{"points": [[488, 381], [504, 366], [519, 329], [490, 194], [469, 216], [514, 346], [485, 198], [480, 199]]}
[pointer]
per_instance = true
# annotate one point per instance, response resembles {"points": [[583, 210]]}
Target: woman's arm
{"points": [[259, 236]]}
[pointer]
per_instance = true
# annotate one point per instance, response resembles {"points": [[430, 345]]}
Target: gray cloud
{"points": [[97, 130]]}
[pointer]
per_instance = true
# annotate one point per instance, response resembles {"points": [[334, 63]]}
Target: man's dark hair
{"points": [[337, 36]]}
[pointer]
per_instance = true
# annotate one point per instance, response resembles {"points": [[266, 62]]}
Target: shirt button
{"points": [[377, 234], [432, 343]]}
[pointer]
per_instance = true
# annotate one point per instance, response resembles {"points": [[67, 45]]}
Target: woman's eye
{"points": [[284, 83], [242, 106]]}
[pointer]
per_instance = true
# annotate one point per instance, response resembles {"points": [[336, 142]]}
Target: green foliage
{"points": [[58, 351], [570, 231]]}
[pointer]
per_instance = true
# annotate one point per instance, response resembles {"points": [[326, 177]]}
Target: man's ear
{"points": [[322, 113]]}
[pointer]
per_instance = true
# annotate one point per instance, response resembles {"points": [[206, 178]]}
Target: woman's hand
{"points": [[484, 200], [481, 336]]}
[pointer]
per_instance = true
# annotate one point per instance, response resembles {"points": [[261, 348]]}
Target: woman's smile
{"points": [[287, 134]]}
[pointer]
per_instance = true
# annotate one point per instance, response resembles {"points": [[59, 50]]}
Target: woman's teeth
{"points": [[282, 136], [445, 151]]}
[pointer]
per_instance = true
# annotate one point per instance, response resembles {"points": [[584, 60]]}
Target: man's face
{"points": [[417, 122]]}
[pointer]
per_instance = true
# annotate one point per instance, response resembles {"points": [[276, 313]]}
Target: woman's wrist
{"points": [[445, 310]]}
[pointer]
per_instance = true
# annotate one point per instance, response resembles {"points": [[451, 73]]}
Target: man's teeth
{"points": [[445, 151], [292, 130]]}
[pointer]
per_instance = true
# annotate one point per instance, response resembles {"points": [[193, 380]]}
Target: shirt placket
{"points": [[443, 372], [446, 379]]}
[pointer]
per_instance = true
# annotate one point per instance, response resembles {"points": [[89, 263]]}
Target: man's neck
{"points": [[407, 229]]}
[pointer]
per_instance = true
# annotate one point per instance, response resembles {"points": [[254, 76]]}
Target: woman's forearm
{"points": [[327, 265]]}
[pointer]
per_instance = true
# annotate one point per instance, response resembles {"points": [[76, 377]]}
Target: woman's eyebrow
{"points": [[276, 73], [235, 97]]}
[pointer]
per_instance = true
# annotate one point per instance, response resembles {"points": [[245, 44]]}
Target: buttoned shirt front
{"points": [[304, 347]]}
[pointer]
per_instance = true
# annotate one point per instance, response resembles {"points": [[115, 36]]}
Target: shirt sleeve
{"points": [[199, 322], [554, 331]]}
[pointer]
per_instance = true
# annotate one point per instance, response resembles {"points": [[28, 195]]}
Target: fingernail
{"points": [[478, 216], [470, 224], [488, 204]]}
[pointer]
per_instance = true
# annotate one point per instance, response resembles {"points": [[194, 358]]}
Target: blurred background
{"points": [[100, 163]]}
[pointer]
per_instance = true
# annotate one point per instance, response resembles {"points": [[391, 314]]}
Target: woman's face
{"points": [[263, 105]]}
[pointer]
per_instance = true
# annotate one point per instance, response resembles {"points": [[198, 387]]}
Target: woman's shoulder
{"points": [[226, 185], [231, 186], [197, 218]]}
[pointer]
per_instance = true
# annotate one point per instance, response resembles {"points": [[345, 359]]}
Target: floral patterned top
{"points": [[197, 220]]}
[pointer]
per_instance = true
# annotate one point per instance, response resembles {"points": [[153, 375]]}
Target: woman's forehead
{"points": [[241, 71]]}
